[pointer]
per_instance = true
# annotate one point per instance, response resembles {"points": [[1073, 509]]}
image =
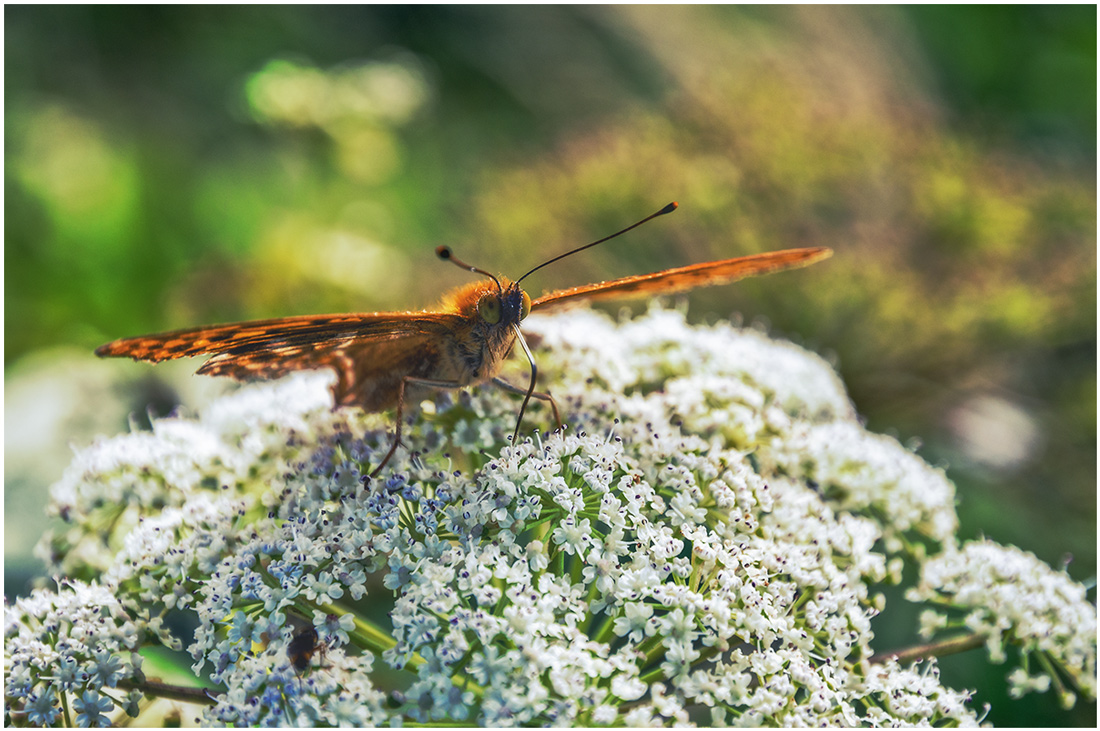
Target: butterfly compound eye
{"points": [[525, 307], [488, 307]]}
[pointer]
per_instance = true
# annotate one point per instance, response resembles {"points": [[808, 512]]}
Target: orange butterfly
{"points": [[463, 342]]}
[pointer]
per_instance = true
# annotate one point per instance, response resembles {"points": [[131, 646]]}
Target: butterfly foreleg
{"points": [[501, 383], [399, 417]]}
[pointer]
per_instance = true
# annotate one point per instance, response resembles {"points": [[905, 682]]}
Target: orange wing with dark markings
{"points": [[682, 279], [369, 352], [285, 335]]}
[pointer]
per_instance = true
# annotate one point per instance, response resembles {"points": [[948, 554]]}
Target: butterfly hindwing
{"points": [[370, 353]]}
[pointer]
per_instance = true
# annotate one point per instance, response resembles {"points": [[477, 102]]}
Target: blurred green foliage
{"points": [[172, 166]]}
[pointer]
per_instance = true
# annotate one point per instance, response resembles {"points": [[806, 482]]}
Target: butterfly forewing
{"points": [[682, 279], [281, 334], [370, 353]]}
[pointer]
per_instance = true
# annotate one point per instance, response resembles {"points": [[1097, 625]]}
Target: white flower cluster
{"points": [[755, 394], [873, 475], [78, 642], [121, 479], [1011, 597], [651, 583], [699, 546]]}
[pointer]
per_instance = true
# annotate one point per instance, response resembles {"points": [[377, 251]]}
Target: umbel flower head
{"points": [[701, 545]]}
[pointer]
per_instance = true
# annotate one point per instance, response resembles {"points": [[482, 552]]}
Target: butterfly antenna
{"points": [[667, 209], [445, 253]]}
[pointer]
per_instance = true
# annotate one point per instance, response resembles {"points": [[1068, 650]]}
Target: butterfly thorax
{"points": [[489, 316]]}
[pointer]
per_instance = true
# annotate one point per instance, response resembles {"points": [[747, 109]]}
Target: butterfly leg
{"points": [[399, 417], [534, 394]]}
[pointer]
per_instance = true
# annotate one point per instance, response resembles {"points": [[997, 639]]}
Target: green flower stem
{"points": [[592, 512], [586, 623], [652, 648], [606, 628], [65, 709], [695, 578], [803, 597], [954, 645], [368, 635], [1052, 673], [658, 674], [408, 517], [498, 610], [652, 676], [575, 569], [436, 724], [187, 694], [537, 526]]}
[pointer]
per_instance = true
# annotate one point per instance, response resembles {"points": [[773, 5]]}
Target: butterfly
{"points": [[379, 356]]}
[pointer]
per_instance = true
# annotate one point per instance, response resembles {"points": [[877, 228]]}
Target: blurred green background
{"points": [[175, 166]]}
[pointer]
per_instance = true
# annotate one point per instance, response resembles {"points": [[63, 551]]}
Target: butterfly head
{"points": [[496, 304], [508, 306]]}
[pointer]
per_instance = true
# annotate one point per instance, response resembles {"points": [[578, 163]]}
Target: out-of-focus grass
{"points": [[174, 166]]}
